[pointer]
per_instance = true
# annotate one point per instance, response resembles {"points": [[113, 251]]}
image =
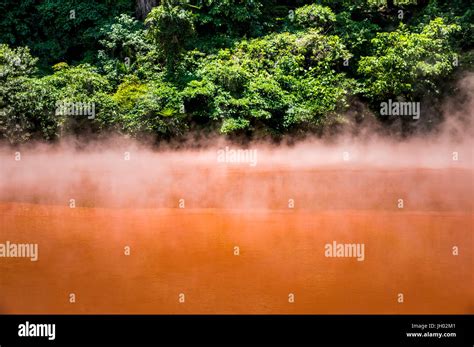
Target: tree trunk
{"points": [[143, 7]]}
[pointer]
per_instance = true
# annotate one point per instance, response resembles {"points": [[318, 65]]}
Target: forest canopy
{"points": [[252, 68]]}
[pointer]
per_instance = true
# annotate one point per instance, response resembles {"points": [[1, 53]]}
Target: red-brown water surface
{"points": [[190, 250]]}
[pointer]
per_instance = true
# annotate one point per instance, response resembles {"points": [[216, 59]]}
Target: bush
{"points": [[279, 82], [170, 26], [405, 62], [26, 103], [123, 44], [153, 108], [253, 67], [311, 16], [81, 84]]}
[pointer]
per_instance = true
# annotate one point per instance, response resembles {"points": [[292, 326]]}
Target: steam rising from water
{"points": [[126, 174], [123, 173]]}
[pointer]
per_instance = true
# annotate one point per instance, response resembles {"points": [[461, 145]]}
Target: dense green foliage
{"points": [[238, 67]]}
